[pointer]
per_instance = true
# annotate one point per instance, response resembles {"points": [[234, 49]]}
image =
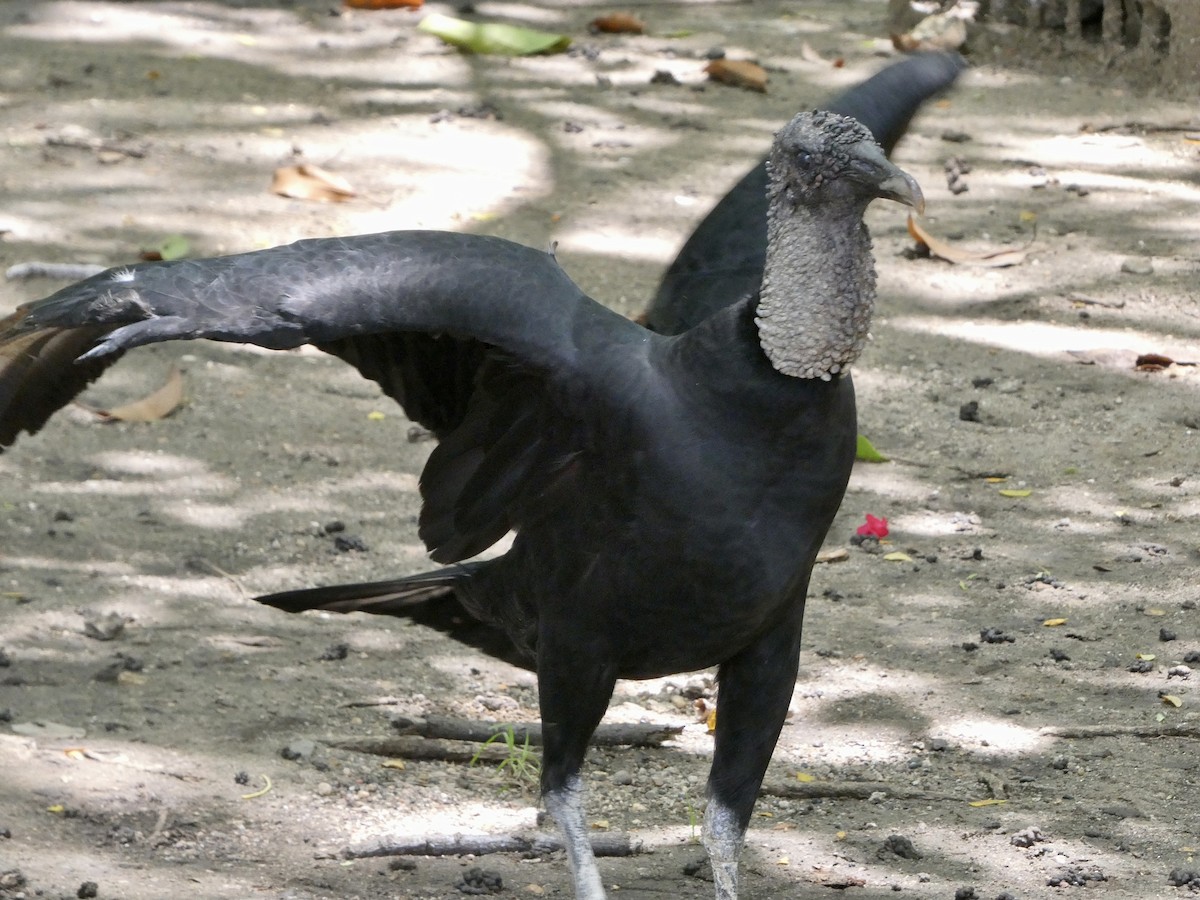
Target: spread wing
{"points": [[468, 333]]}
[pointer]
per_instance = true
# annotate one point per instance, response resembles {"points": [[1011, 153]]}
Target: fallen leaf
{"points": [[1145, 656], [994, 259], [805, 777], [897, 556], [1171, 699], [866, 451], [157, 405], [739, 73], [1015, 492], [1156, 362], [394, 764], [829, 556], [711, 722], [1054, 623], [618, 23], [174, 247], [309, 182], [493, 37], [990, 801]]}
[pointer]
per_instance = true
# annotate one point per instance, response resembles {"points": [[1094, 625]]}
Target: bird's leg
{"points": [[573, 695], [755, 690]]}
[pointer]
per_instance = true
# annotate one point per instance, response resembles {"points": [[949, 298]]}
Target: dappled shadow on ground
{"points": [[178, 524]]}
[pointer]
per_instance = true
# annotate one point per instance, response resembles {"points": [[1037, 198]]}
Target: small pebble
{"points": [[298, 750], [87, 890], [1137, 265]]}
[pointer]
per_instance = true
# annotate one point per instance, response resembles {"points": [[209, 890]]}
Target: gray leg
{"points": [[756, 687], [573, 691], [723, 838], [566, 805]]}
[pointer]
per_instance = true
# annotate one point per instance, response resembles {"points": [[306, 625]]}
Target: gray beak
{"points": [[890, 182]]}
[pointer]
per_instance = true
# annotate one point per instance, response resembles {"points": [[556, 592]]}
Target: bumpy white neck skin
{"points": [[818, 290]]}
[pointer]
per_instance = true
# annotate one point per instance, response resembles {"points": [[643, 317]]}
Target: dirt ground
{"points": [[928, 683]]}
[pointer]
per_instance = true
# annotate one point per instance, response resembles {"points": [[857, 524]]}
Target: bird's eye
{"points": [[803, 158]]}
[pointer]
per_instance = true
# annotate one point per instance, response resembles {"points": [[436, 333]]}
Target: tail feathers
{"points": [[430, 599], [395, 597]]}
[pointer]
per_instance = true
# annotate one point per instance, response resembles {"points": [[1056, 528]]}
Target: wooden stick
{"points": [[1095, 731], [607, 735], [844, 790], [410, 746], [607, 844]]}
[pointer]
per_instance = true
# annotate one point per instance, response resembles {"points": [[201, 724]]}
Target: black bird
{"points": [[669, 494], [723, 259]]}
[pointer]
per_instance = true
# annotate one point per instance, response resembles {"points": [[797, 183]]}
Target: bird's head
{"points": [[822, 157]]}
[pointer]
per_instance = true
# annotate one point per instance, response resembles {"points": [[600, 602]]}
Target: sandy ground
{"points": [[124, 123]]}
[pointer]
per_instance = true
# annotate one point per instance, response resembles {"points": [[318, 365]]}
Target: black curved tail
{"points": [[429, 598]]}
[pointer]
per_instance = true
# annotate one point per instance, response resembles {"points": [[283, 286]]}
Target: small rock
{"points": [[996, 636], [108, 627], [1165, 635], [1137, 265], [12, 880], [622, 776], [324, 789], [664, 76], [969, 411], [1184, 878], [5, 659], [1179, 672], [298, 750], [346, 543], [1027, 837], [965, 893], [334, 653], [901, 846], [88, 890]]}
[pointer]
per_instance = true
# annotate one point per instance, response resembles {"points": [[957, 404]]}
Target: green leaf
{"points": [[867, 452], [493, 37], [897, 556], [175, 246], [1016, 492]]}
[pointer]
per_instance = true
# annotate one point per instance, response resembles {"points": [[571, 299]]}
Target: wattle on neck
{"points": [[818, 291]]}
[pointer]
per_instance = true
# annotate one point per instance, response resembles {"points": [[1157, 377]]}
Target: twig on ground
{"points": [[844, 790], [1097, 731], [610, 844], [607, 735], [409, 746]]}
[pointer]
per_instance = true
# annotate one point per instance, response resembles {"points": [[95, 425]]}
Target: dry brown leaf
{"points": [[309, 182], [994, 259], [1156, 362], [829, 556], [152, 407], [739, 73], [618, 23]]}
